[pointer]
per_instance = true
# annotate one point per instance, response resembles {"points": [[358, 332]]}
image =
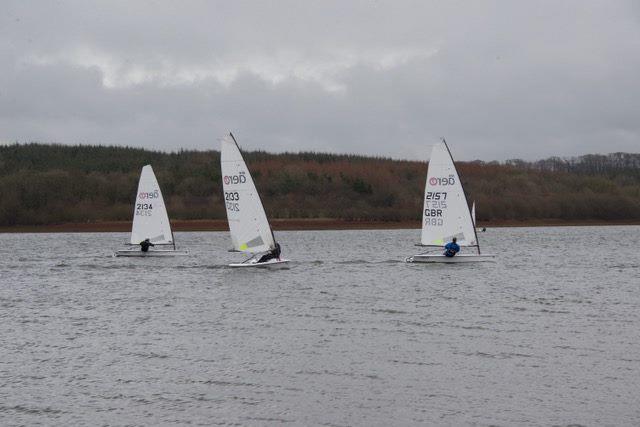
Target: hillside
{"points": [[46, 184]]}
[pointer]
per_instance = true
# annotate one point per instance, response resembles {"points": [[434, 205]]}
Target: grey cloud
{"points": [[499, 79]]}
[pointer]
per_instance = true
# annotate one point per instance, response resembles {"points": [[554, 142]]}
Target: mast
{"points": [[464, 194], [234, 140]]}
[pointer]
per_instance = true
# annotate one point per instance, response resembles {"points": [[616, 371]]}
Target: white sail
{"points": [[473, 213], [446, 212], [250, 230], [150, 219]]}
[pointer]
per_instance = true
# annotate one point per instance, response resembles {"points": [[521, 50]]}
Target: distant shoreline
{"points": [[290, 224]]}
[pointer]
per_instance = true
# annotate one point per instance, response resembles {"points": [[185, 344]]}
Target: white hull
{"points": [[150, 253], [458, 259], [272, 263]]}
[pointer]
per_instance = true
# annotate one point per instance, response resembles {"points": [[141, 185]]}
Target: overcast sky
{"points": [[499, 79]]}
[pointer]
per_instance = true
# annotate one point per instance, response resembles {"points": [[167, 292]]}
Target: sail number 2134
{"points": [[144, 209]]}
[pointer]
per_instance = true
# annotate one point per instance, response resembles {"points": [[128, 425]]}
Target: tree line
{"points": [[49, 183], [612, 164]]}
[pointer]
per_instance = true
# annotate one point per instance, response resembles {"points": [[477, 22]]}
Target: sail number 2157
{"points": [[436, 195]]}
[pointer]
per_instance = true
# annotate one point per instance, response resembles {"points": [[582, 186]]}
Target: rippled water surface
{"points": [[348, 335]]}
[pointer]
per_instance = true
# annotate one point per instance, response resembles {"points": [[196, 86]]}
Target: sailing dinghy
{"points": [[446, 213], [248, 224], [150, 221]]}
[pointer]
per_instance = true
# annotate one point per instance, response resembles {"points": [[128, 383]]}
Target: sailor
{"points": [[273, 253], [451, 248], [144, 245]]}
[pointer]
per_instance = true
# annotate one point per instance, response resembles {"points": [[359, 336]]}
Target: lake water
{"points": [[348, 335]]}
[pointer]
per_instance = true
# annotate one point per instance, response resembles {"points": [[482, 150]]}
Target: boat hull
{"points": [[272, 263], [151, 253], [458, 259]]}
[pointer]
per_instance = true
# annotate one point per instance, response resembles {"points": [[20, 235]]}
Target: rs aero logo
{"points": [[450, 180], [150, 195], [235, 179]]}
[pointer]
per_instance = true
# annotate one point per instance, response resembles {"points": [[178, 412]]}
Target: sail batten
{"points": [[248, 224], [445, 210], [150, 218]]}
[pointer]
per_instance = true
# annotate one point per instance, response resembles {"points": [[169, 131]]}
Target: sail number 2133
{"points": [[231, 198]]}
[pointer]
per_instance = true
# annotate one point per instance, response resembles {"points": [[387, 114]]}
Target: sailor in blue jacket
{"points": [[451, 248]]}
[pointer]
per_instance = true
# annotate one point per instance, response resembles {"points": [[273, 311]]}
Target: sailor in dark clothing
{"points": [[272, 254], [144, 245], [451, 248]]}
